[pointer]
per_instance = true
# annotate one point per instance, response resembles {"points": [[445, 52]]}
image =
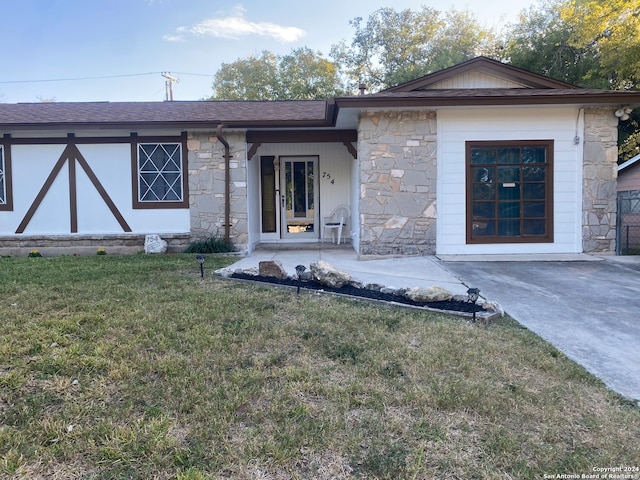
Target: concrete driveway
{"points": [[590, 310]]}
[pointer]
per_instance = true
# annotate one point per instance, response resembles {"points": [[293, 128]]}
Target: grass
{"points": [[135, 367]]}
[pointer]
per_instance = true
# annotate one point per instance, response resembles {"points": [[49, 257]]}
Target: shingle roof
{"points": [[490, 96], [158, 114], [281, 114]]}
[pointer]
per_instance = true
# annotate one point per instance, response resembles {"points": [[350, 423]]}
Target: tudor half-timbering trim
{"points": [[70, 158]]}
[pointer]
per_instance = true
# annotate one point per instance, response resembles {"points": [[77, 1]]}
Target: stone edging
{"points": [[325, 274]]}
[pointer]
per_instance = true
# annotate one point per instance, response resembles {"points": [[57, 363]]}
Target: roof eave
{"points": [[444, 101], [172, 125], [629, 163]]}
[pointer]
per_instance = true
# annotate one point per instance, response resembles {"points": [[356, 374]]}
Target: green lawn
{"points": [[135, 367]]}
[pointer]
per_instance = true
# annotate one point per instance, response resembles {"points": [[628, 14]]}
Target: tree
{"points": [[395, 47], [588, 43], [301, 75], [629, 137], [612, 29], [540, 42], [248, 79]]}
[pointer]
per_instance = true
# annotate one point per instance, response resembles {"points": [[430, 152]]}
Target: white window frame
{"points": [[6, 192], [3, 178]]}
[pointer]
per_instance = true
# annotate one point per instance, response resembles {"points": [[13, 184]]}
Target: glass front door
{"points": [[299, 197]]}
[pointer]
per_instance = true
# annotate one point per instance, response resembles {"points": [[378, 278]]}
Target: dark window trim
{"points": [[548, 214], [5, 157], [139, 205]]}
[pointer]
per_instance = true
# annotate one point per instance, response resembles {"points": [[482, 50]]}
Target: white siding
{"points": [[111, 163], [456, 126], [476, 79]]}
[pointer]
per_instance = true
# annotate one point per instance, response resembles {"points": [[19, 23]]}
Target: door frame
{"points": [[281, 233]]}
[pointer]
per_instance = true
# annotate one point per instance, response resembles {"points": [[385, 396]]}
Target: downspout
{"points": [[227, 185]]}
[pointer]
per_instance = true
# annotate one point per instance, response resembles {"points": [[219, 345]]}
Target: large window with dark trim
{"points": [[509, 191], [6, 201], [160, 176]]}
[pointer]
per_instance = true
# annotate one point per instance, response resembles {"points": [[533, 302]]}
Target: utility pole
{"points": [[168, 85]]}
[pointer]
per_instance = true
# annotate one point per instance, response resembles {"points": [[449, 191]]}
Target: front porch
{"points": [[292, 187], [318, 245]]}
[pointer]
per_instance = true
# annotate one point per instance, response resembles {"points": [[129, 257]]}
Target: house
{"points": [[629, 175], [480, 158], [628, 235]]}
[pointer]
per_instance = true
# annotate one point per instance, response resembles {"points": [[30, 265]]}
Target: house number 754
{"points": [[327, 175]]}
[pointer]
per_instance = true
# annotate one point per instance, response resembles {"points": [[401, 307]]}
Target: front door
{"points": [[299, 197], [289, 198]]}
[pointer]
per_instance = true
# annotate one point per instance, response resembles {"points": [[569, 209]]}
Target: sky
{"points": [[117, 50]]}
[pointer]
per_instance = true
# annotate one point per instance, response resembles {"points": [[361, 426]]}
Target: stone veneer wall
{"points": [[397, 154], [206, 186], [600, 172], [86, 244]]}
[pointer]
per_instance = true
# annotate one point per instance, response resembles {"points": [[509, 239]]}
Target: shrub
{"points": [[213, 244]]}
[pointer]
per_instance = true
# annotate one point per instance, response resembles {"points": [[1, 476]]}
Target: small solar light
{"points": [[200, 260], [299, 271], [473, 294]]}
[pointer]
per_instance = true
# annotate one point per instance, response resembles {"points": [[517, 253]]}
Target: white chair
{"points": [[338, 219]]}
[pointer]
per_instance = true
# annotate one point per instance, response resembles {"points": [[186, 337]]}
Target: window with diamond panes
{"points": [[160, 173], [509, 192]]}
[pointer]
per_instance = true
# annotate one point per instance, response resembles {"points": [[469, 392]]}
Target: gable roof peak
{"points": [[483, 65]]}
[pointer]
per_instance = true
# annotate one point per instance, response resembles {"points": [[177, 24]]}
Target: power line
{"points": [[79, 78], [103, 77]]}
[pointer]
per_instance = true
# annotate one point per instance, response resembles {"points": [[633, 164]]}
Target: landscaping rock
{"points": [[326, 274], [460, 298], [272, 268], [306, 276], [394, 291], [154, 244], [376, 287], [428, 294], [492, 307], [248, 271]]}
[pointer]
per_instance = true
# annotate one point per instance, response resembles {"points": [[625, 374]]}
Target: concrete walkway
{"points": [[390, 272], [587, 307]]}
